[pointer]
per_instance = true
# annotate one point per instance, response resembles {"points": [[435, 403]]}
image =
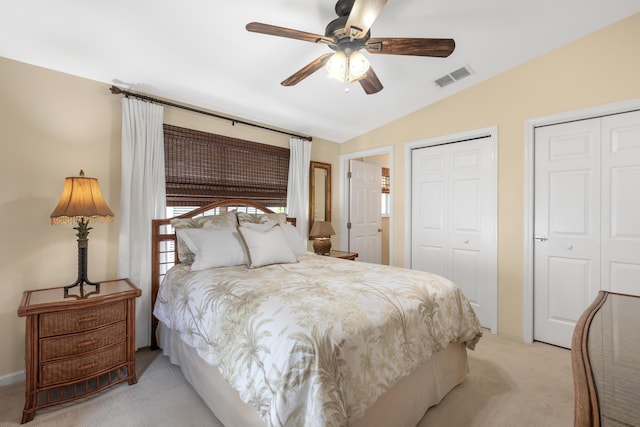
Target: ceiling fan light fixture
{"points": [[347, 66], [337, 66], [358, 65]]}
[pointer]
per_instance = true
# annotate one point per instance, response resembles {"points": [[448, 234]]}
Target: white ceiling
{"points": [[198, 51]]}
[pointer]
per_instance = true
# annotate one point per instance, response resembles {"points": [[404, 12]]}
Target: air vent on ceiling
{"points": [[454, 76]]}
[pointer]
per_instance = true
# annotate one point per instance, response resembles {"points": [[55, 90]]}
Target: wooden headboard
{"points": [[164, 250]]}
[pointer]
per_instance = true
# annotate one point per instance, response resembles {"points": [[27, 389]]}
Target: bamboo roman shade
{"points": [[201, 168]]}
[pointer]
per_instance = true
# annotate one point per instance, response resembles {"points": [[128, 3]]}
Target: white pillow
{"points": [[214, 247], [295, 241], [266, 247], [257, 218], [224, 219], [291, 235], [266, 226]]}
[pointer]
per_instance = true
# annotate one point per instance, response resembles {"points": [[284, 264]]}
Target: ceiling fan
{"points": [[347, 35]]}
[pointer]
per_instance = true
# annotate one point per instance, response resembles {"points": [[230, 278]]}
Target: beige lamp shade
{"points": [[321, 229], [81, 200]]}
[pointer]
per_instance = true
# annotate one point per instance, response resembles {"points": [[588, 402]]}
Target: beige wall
{"points": [[601, 68], [53, 125]]}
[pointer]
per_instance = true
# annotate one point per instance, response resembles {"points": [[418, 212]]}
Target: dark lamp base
{"points": [[322, 245], [83, 246]]}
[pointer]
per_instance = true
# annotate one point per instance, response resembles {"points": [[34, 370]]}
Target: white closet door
{"points": [[587, 210], [430, 219], [621, 203], [453, 219]]}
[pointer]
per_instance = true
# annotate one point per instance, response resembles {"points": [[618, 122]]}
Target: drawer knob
{"points": [[87, 319], [86, 343], [87, 366]]}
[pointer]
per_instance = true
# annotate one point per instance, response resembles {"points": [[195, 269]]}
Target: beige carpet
{"points": [[509, 384]]}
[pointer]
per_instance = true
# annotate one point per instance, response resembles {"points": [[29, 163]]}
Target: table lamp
{"points": [[81, 201], [321, 233]]}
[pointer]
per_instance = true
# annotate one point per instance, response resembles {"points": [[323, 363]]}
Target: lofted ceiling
{"points": [[197, 52]]}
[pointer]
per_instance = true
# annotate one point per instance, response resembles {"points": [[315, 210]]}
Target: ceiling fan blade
{"points": [[371, 84], [411, 46], [272, 30], [363, 15], [307, 70]]}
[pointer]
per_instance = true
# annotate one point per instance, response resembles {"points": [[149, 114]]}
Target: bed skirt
{"points": [[427, 385]]}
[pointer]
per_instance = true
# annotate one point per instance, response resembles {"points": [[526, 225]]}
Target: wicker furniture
{"points": [[75, 346], [344, 255], [606, 362]]}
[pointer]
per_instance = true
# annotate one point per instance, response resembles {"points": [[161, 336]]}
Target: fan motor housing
{"points": [[343, 7], [335, 29]]}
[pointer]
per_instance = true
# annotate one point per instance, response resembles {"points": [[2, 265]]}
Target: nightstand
{"points": [[76, 347], [344, 255]]}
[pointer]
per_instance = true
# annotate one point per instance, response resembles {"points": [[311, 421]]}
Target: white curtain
{"points": [[142, 199], [298, 185]]}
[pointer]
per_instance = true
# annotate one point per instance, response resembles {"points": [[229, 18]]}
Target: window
{"points": [[173, 211], [386, 191], [386, 201], [202, 167], [386, 181]]}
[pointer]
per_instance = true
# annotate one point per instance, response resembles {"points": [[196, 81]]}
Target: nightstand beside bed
{"points": [[344, 255], [76, 347]]}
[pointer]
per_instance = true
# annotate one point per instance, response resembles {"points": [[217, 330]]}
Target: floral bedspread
{"points": [[314, 343]]}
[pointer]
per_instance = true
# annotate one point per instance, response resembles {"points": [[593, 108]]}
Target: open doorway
{"points": [[383, 159]]}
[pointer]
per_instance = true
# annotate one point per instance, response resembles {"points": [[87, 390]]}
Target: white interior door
{"points": [[566, 227], [587, 205], [621, 203], [365, 220], [453, 219]]}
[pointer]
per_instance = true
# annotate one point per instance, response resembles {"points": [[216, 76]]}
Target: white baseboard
{"points": [[9, 379]]}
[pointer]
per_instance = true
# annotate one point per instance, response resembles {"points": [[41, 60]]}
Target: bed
{"points": [[284, 337]]}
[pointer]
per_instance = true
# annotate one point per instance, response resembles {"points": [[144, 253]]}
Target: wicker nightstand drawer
{"points": [[82, 342], [81, 320], [82, 366]]}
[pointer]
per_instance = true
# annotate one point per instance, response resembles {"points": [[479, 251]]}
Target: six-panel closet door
{"points": [[453, 219], [586, 219]]}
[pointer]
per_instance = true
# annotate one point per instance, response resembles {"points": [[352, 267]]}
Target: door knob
{"points": [[541, 238]]}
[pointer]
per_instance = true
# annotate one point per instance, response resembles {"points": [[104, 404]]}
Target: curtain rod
{"points": [[118, 91]]}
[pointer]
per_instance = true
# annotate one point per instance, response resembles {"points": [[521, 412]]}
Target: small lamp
{"points": [[321, 232], [81, 201]]}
